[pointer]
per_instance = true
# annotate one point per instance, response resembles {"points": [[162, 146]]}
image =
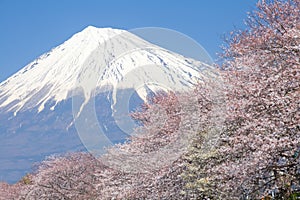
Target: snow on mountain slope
{"points": [[95, 55]]}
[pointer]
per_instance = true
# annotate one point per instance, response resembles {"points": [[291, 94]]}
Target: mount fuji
{"points": [[36, 114]]}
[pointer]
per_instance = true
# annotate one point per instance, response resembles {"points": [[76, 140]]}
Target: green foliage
{"points": [[26, 180], [197, 180], [295, 196]]}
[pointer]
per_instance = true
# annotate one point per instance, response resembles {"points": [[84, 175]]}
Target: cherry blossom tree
{"points": [[258, 153], [147, 167]]}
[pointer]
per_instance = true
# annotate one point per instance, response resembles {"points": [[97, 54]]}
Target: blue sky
{"points": [[32, 27]]}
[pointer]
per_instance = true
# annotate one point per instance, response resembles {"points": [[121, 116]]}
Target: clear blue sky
{"points": [[30, 28]]}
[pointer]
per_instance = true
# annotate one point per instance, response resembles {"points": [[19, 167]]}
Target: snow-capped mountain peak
{"points": [[37, 103], [94, 55]]}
